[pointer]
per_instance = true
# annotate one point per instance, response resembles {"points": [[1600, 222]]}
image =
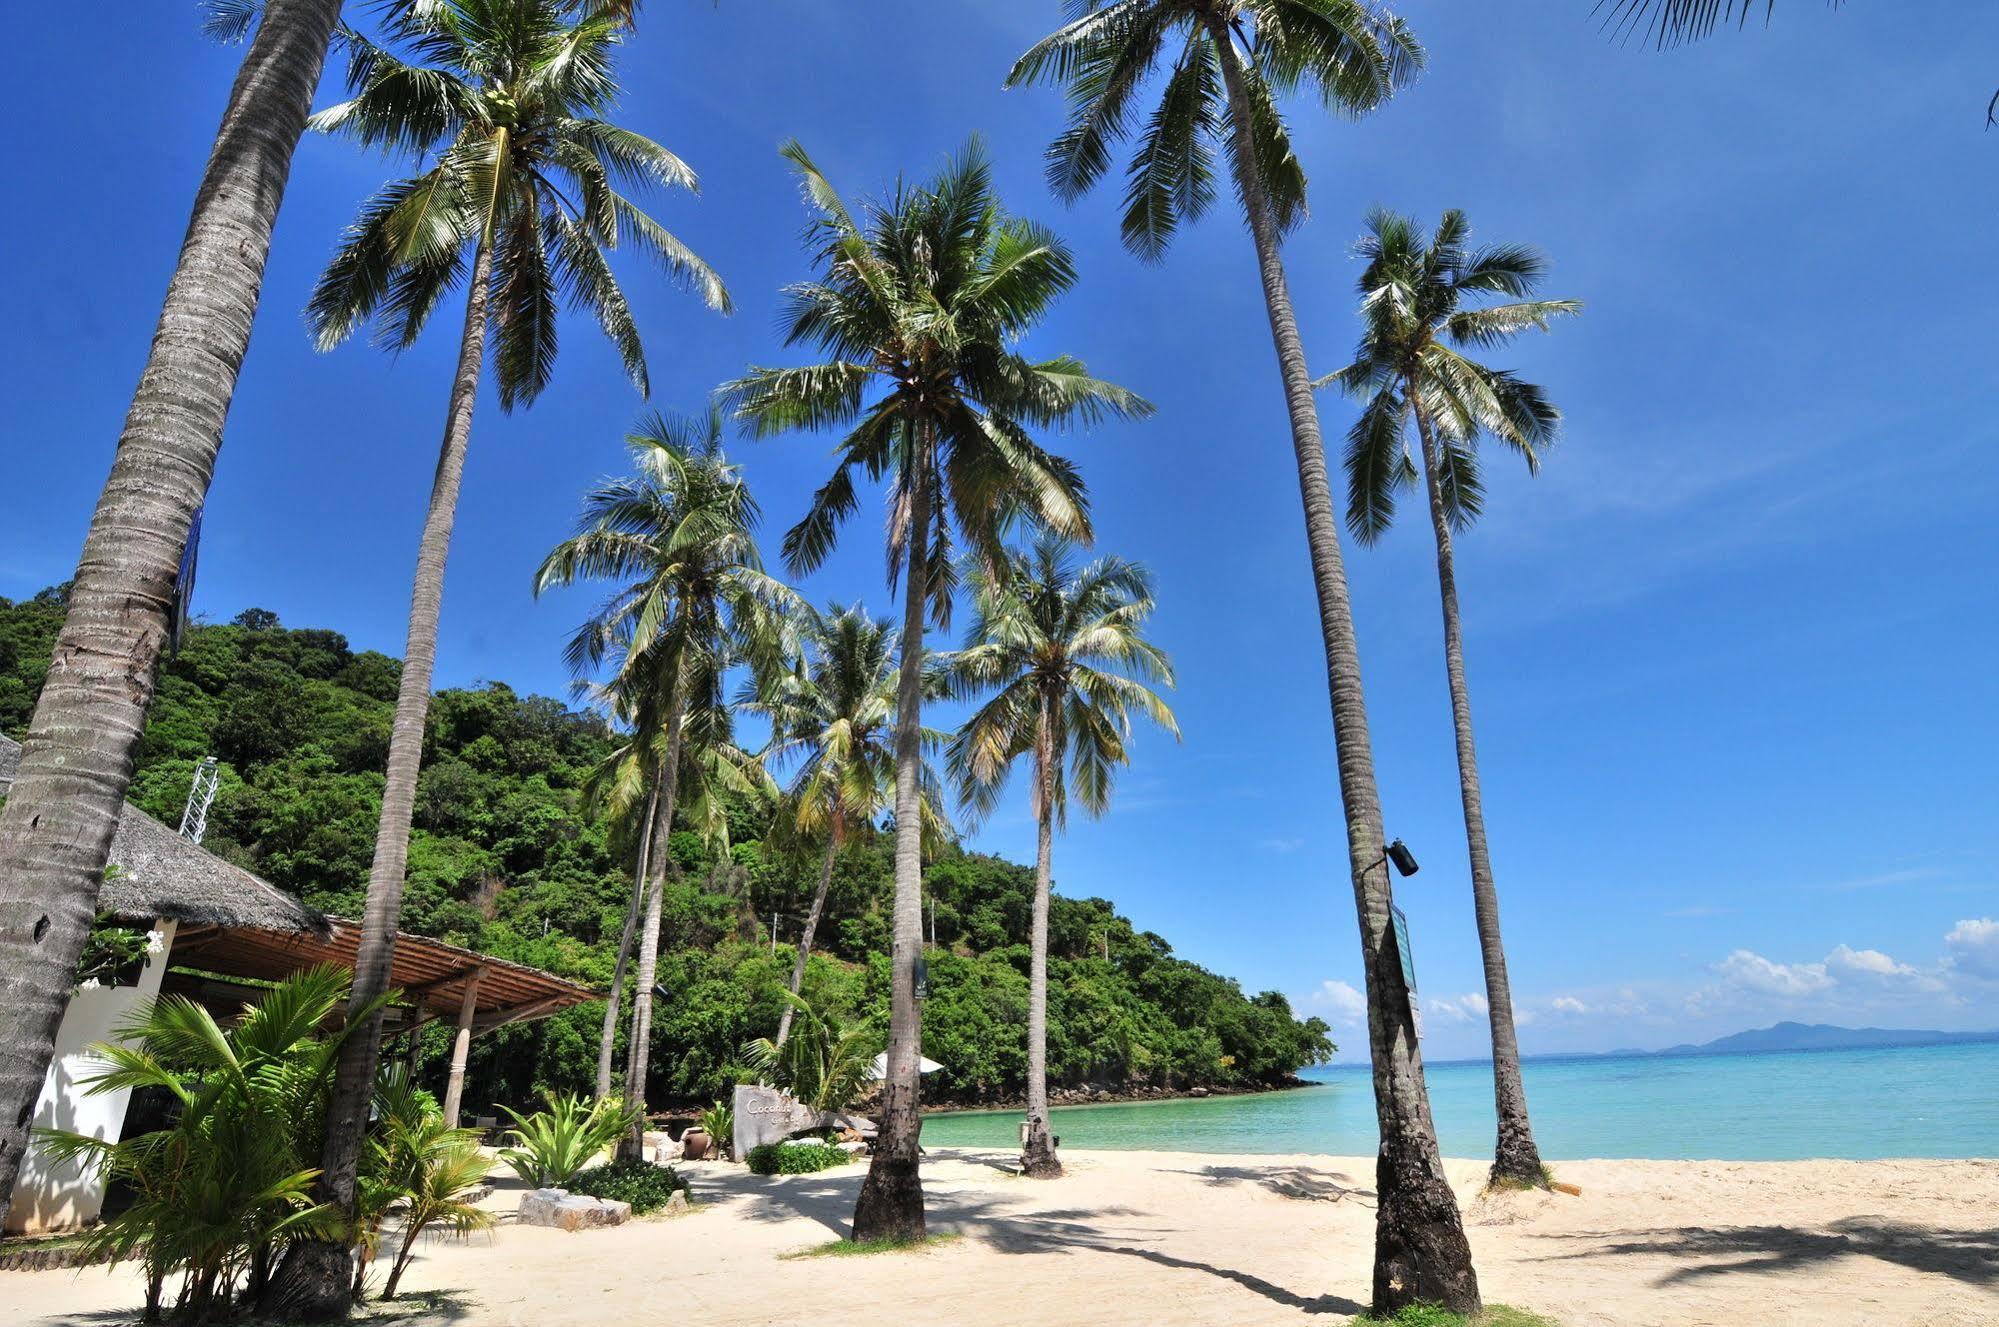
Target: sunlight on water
{"points": [[1940, 1101]]}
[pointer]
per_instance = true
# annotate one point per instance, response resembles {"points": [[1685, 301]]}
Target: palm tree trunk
{"points": [[319, 1271], [1037, 1157], [55, 833], [1516, 1160], [811, 925], [1420, 1251], [609, 1035], [891, 1201], [638, 1057]]}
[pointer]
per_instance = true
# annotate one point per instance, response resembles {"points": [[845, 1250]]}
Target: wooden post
{"points": [[461, 1047]]}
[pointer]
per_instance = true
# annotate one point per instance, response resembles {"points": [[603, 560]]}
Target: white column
{"points": [[49, 1196]]}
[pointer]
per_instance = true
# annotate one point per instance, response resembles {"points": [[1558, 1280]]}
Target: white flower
{"points": [[90, 984], [156, 942]]}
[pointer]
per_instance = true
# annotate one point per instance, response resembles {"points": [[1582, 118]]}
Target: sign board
{"points": [[1403, 949]]}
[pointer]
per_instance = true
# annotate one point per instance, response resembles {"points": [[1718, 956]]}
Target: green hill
{"points": [[503, 860]]}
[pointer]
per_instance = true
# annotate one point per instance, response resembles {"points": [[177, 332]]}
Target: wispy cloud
{"points": [[1280, 845]]}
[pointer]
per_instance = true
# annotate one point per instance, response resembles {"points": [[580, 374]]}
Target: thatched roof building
{"points": [[162, 876]]}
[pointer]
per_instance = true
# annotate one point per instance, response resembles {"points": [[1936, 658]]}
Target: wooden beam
{"points": [[499, 1018], [426, 987], [461, 1046]]}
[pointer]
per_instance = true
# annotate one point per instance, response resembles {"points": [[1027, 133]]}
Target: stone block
{"points": [[562, 1210]]}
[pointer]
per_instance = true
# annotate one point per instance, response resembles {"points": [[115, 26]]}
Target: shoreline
{"points": [[1072, 1097]]}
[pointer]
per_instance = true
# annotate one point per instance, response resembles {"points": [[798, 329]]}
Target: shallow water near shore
{"points": [[1931, 1101]]}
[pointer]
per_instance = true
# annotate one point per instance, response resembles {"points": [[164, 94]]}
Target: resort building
{"points": [[218, 934]]}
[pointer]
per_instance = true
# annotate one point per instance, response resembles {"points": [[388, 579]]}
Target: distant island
{"points": [[1820, 1037]]}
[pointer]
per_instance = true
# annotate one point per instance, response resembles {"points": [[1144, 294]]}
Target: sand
{"points": [[1146, 1238]]}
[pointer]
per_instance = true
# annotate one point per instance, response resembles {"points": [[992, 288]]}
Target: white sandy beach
{"points": [[1145, 1238]]}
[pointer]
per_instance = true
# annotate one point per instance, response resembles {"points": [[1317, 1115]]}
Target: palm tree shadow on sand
{"points": [[1970, 1256], [1306, 1182], [997, 1222]]}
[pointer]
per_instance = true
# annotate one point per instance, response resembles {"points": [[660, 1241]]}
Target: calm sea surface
{"points": [[1936, 1101]]}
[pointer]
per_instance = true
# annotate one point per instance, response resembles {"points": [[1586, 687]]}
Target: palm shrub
{"points": [[551, 1145], [719, 1123], [416, 1165], [825, 1064], [228, 1183]]}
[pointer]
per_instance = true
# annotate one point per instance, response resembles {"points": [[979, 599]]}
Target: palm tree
{"points": [[1063, 649], [505, 100], [55, 832], [919, 306], [1417, 302], [826, 1066], [1235, 58], [833, 712], [679, 535]]}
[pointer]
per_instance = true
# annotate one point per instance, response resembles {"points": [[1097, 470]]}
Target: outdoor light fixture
{"points": [[1405, 860], [659, 991]]}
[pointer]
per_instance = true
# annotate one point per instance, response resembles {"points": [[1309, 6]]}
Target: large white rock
{"points": [[563, 1210], [767, 1115]]}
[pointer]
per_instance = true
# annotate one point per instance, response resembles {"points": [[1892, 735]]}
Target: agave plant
{"points": [[719, 1123], [553, 1144]]}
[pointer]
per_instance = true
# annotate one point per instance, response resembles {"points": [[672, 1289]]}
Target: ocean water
{"points": [[1932, 1101]]}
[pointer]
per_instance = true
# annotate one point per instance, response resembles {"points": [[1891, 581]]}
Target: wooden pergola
{"points": [[475, 992]]}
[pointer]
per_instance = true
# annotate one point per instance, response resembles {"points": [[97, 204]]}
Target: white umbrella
{"points": [[924, 1065]]}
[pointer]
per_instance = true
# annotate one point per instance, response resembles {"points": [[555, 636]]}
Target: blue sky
{"points": [[1730, 654]]}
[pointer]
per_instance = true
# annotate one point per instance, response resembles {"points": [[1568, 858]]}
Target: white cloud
{"points": [[1346, 1004], [1754, 972], [1568, 1004], [1973, 946], [1459, 1009], [1280, 845]]}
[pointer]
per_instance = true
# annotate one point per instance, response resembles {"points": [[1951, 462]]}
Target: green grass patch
{"points": [[861, 1248], [1428, 1315]]}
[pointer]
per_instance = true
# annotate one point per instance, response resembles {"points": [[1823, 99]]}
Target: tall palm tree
{"points": [[55, 832], [833, 713], [1234, 59], [678, 536], [919, 306], [626, 784], [1418, 305], [1063, 647], [505, 100]]}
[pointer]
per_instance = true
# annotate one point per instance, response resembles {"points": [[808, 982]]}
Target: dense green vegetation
{"points": [[502, 860], [795, 1158]]}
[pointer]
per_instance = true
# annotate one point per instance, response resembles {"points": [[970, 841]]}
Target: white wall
{"points": [[49, 1196]]}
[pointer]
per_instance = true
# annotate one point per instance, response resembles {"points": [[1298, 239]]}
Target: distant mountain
{"points": [[1824, 1037]]}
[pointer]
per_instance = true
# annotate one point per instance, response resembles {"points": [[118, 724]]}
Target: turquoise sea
{"points": [[1933, 1101]]}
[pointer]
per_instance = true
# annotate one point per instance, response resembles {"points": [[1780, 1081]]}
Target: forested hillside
{"points": [[503, 860]]}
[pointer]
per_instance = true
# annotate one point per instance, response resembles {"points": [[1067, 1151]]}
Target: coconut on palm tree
{"points": [[1063, 653], [1425, 303], [76, 761], [1229, 62], [678, 538], [919, 305], [504, 101], [833, 713]]}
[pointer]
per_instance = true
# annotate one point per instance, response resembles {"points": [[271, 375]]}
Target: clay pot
{"points": [[695, 1144]]}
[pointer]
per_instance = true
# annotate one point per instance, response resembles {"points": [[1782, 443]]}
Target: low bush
{"points": [[795, 1158], [645, 1186]]}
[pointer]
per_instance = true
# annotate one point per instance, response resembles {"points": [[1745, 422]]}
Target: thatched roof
{"points": [[163, 876]]}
